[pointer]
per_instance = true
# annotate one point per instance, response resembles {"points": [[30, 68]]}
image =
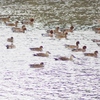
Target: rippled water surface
{"points": [[52, 13], [57, 80]]}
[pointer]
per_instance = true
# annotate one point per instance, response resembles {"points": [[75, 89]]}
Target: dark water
{"points": [[52, 13]]}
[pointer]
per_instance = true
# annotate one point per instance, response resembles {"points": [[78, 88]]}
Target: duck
{"points": [[50, 34], [63, 58], [73, 46], [69, 30], [5, 19], [91, 54], [42, 54], [96, 29], [28, 21], [57, 29], [61, 35], [10, 46], [37, 48], [11, 39], [98, 44], [19, 30], [12, 24], [37, 65], [95, 40], [83, 49]]}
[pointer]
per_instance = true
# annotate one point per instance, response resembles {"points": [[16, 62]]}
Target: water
{"points": [[58, 80], [63, 13]]}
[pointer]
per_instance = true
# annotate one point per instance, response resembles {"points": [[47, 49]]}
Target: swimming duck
{"points": [[12, 24], [80, 49], [19, 30], [69, 30], [91, 54], [10, 39], [56, 30], [5, 19], [37, 48], [73, 46], [27, 21], [96, 29], [95, 40], [61, 35], [37, 65], [63, 58], [10, 46], [42, 54], [50, 34]]}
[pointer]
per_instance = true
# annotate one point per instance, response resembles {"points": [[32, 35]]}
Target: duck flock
{"points": [[54, 34], [48, 64]]}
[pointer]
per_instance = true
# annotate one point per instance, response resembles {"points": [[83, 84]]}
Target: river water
{"points": [[57, 80], [51, 13]]}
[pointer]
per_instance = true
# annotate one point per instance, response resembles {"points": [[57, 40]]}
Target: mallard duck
{"points": [[37, 48], [80, 49], [42, 54], [73, 46], [37, 65], [91, 54]]}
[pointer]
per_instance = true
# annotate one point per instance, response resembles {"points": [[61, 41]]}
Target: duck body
{"points": [[10, 39], [37, 65], [50, 34], [27, 21], [42, 54], [10, 46], [12, 24], [37, 48], [91, 54], [80, 49], [61, 35], [19, 30], [63, 58], [68, 30], [5, 19], [73, 46]]}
